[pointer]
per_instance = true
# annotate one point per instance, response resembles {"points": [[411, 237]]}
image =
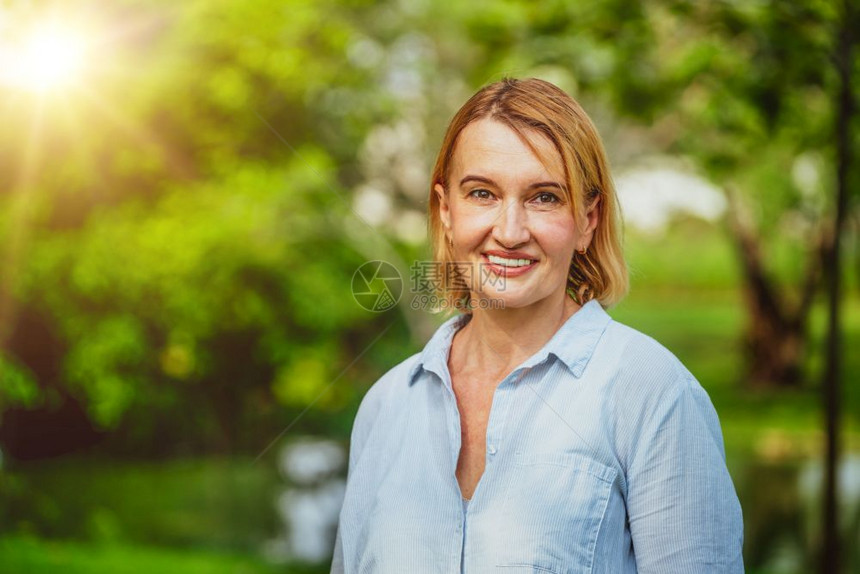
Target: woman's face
{"points": [[507, 215]]}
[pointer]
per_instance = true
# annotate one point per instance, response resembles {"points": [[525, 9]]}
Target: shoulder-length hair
{"points": [[535, 106]]}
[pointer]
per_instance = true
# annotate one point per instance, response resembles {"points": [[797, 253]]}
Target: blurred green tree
{"points": [[188, 220], [184, 228]]}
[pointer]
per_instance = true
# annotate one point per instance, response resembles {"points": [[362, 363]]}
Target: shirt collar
{"points": [[573, 344], [434, 357]]}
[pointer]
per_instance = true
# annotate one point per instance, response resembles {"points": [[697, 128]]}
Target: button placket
{"points": [[499, 412]]}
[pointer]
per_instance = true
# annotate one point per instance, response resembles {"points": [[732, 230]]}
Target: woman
{"points": [[533, 432]]}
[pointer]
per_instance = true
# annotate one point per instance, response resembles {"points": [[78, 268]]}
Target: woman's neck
{"points": [[495, 341]]}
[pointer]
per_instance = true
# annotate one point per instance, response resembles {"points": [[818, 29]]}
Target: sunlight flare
{"points": [[48, 57]]}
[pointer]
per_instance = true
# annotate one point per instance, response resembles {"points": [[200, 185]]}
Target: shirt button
{"points": [[492, 449]]}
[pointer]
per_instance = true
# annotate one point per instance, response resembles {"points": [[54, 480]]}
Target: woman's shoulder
{"points": [[640, 364], [388, 385], [648, 386], [371, 411]]}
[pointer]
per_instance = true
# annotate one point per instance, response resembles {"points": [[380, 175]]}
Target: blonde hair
{"points": [[529, 106]]}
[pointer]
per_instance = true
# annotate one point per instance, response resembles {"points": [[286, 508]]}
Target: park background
{"points": [[187, 189]]}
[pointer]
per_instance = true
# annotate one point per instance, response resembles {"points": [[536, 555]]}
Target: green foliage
{"points": [[17, 385], [304, 379], [752, 87], [148, 288], [104, 363]]}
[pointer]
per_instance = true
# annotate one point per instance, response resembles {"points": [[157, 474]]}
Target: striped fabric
{"points": [[604, 455]]}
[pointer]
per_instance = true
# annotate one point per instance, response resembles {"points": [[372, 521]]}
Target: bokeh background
{"points": [[187, 188]]}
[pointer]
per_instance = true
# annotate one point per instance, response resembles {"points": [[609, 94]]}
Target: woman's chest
{"points": [[474, 408], [544, 498]]}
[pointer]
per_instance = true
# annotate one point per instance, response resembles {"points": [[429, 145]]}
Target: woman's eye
{"points": [[546, 197], [480, 194]]}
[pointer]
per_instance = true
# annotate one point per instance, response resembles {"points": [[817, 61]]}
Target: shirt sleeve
{"points": [[337, 558], [355, 444], [683, 510], [367, 413]]}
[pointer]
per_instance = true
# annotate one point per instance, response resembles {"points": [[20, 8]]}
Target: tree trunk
{"points": [[776, 335], [774, 350], [830, 558]]}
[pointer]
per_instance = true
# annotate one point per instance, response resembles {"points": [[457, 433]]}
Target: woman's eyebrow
{"points": [[543, 184], [477, 178]]}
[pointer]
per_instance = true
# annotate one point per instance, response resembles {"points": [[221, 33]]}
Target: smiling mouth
{"points": [[510, 263], [508, 266]]}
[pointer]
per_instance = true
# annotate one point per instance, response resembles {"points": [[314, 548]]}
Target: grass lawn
{"points": [[22, 555]]}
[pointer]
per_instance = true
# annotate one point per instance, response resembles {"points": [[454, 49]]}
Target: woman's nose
{"points": [[511, 225]]}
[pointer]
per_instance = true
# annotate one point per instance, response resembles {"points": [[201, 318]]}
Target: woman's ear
{"points": [[444, 208], [592, 217]]}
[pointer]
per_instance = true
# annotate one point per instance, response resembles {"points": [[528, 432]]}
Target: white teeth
{"points": [[508, 262]]}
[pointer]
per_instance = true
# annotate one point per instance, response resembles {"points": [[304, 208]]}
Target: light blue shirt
{"points": [[604, 455]]}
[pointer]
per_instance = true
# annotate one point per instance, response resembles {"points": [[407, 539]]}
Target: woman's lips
{"points": [[503, 271]]}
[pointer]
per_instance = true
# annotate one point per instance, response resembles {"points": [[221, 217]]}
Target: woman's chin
{"points": [[495, 300]]}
